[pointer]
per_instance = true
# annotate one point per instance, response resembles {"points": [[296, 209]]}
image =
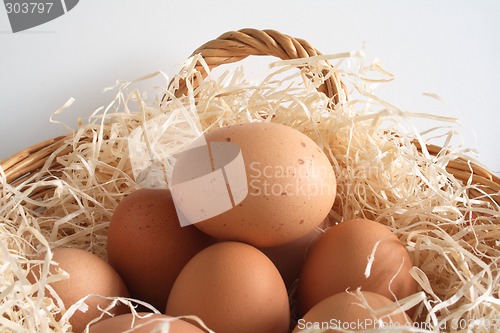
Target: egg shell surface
{"points": [[291, 186], [232, 287], [338, 261], [88, 274], [148, 323], [148, 247]]}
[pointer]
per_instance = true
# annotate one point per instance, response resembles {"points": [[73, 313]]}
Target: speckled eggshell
{"points": [[232, 287], [345, 311], [148, 324], [338, 260], [147, 245], [291, 186], [88, 274]]}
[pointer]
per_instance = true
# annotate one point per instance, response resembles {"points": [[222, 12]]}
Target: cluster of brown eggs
{"points": [[234, 270]]}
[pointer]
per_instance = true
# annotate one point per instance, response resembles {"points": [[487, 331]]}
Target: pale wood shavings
{"points": [[382, 175]]}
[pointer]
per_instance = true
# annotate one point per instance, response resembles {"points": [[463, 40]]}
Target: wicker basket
{"points": [[232, 47], [227, 48]]}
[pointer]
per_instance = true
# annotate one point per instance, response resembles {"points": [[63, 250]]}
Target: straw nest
{"points": [[436, 199]]}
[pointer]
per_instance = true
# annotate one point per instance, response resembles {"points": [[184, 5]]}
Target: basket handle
{"points": [[234, 46]]}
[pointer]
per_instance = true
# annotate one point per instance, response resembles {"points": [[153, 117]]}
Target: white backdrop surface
{"points": [[451, 48]]}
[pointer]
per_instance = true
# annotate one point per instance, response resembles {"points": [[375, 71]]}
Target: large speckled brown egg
{"points": [[143, 323], [232, 287], [148, 247], [345, 311], [88, 274], [339, 259], [291, 186]]}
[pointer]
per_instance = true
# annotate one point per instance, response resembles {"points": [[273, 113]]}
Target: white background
{"points": [[447, 47]]}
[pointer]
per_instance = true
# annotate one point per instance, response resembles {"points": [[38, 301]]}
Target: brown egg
{"points": [[288, 258], [339, 258], [232, 287], [88, 274], [148, 247], [291, 186], [345, 311], [148, 324]]}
